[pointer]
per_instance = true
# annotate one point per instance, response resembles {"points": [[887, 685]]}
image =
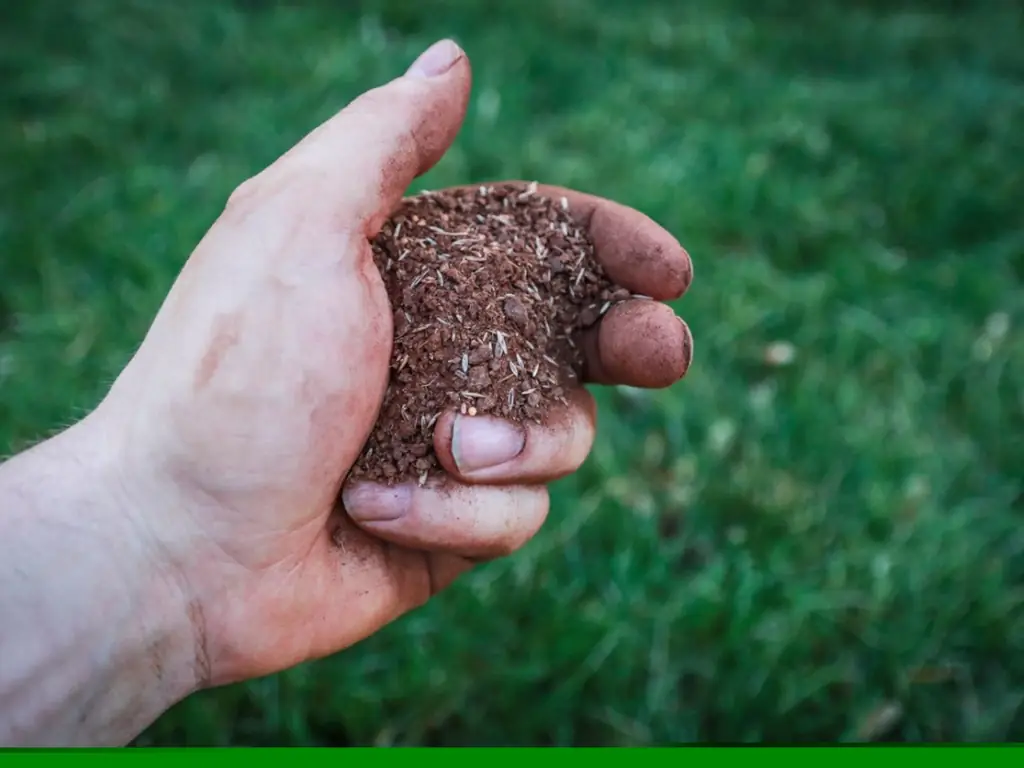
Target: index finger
{"points": [[636, 252]]}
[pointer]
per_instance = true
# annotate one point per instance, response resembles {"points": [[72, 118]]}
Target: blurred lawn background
{"points": [[819, 534]]}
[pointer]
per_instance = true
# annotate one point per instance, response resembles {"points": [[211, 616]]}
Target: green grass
{"points": [[827, 549]]}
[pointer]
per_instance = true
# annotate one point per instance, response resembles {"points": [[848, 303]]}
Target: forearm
{"points": [[93, 643]]}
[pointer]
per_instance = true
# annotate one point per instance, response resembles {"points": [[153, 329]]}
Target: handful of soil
{"points": [[490, 288]]}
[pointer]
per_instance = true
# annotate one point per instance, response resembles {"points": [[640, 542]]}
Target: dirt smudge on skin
{"points": [[225, 336]]}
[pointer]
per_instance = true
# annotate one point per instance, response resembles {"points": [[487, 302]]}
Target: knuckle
{"points": [[242, 194]]}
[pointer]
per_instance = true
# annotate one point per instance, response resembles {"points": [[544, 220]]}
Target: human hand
{"points": [[260, 379]]}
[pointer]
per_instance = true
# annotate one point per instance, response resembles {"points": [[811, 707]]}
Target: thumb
{"points": [[364, 158]]}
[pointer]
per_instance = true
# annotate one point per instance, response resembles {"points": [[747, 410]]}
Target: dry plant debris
{"points": [[490, 288]]}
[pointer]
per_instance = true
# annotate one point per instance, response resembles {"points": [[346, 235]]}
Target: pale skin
{"points": [[188, 533]]}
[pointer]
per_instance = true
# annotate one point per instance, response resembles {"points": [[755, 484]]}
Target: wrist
{"points": [[101, 639], [163, 616]]}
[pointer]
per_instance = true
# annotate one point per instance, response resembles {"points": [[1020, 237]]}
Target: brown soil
{"points": [[490, 288]]}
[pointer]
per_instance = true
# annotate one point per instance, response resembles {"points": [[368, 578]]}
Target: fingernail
{"points": [[371, 503], [481, 442], [436, 60], [687, 347]]}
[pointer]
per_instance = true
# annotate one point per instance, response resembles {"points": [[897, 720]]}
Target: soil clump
{"points": [[490, 288]]}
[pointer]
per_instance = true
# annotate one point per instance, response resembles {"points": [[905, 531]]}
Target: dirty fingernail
{"points": [[481, 442], [436, 60], [687, 347], [370, 503]]}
